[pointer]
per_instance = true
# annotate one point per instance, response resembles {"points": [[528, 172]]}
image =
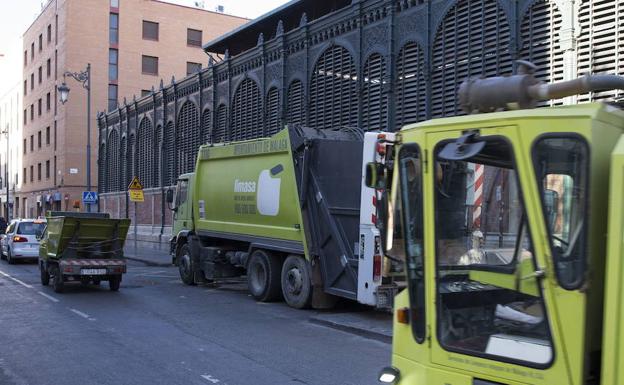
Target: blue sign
{"points": [[89, 197]]}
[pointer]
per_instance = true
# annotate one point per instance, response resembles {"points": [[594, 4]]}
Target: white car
{"points": [[20, 240]]}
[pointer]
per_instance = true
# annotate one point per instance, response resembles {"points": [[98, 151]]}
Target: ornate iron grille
{"points": [[296, 103], [145, 152], [471, 41], [220, 133], [101, 165], [540, 44], [188, 137], [333, 90], [246, 115], [272, 112], [169, 161], [374, 99], [411, 90], [113, 158], [206, 126], [600, 47], [125, 180], [158, 156], [131, 159]]}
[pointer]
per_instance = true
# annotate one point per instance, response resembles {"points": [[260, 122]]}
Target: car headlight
{"points": [[389, 375]]}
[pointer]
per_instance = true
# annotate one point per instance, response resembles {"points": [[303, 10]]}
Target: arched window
{"points": [[124, 166], [188, 138], [102, 180], [333, 90], [206, 126], [272, 112], [145, 152], [157, 157], [374, 99], [169, 147], [473, 40], [220, 134], [113, 159], [246, 112], [411, 90], [296, 103], [131, 159]]}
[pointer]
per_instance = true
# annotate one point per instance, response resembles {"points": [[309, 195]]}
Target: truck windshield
{"points": [[489, 297]]}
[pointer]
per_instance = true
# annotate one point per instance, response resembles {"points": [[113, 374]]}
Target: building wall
{"points": [[80, 35], [11, 122]]}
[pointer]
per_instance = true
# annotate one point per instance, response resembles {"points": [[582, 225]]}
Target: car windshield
{"points": [[30, 228]]}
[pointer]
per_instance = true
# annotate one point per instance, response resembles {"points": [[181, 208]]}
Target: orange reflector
{"points": [[403, 315], [381, 136], [68, 269]]}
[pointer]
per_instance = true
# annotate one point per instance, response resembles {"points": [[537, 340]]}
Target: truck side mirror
{"points": [[169, 196], [375, 175]]}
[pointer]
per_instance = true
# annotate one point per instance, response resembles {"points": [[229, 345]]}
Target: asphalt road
{"points": [[156, 330]]}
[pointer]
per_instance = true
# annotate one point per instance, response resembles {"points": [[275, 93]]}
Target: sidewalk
{"points": [[150, 257], [369, 323]]}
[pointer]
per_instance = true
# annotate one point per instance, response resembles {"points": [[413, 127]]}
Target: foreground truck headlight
{"points": [[389, 375]]}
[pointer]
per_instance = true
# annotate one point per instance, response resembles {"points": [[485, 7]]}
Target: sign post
{"points": [[135, 189]]}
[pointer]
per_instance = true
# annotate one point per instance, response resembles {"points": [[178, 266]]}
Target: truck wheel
{"points": [[45, 276], [185, 265], [57, 280], [263, 276], [114, 282], [296, 282]]}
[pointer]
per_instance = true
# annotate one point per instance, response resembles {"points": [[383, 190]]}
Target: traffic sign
{"points": [[135, 184], [89, 197]]}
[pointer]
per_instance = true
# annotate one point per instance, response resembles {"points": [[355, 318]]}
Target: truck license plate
{"points": [[93, 271]]}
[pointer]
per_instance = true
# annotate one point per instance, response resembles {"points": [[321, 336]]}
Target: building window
{"points": [[112, 97], [193, 37], [39, 103], [32, 173], [49, 33], [49, 68], [48, 136], [40, 74], [55, 135], [32, 51], [192, 68], [24, 175], [40, 42], [150, 30], [32, 112], [114, 28], [48, 102], [47, 169], [39, 139], [24, 145], [25, 58], [145, 92], [55, 63], [150, 65], [113, 59], [32, 81], [25, 87], [38, 171], [25, 116], [32, 143], [114, 3]]}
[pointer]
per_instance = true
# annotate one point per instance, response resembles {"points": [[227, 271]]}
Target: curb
{"points": [[148, 262], [370, 334]]}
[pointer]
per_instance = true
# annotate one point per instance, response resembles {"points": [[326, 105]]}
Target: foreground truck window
{"points": [[489, 298], [561, 168], [411, 188]]}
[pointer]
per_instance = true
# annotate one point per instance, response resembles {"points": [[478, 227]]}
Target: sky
{"points": [[17, 15]]}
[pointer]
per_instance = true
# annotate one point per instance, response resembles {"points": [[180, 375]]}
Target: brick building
{"points": [[131, 45]]}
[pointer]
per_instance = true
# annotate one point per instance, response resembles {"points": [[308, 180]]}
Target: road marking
{"points": [[83, 315], [208, 377], [16, 280], [48, 296]]}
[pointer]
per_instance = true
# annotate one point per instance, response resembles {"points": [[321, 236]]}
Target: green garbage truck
{"points": [[289, 212], [82, 247]]}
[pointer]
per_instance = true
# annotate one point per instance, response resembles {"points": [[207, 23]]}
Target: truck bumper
{"points": [[92, 267]]}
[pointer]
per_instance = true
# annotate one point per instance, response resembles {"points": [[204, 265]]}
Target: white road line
{"points": [[83, 315], [16, 280], [208, 377], [48, 296]]}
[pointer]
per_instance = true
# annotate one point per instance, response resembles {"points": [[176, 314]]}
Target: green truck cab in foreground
{"points": [[289, 212], [511, 224], [82, 247]]}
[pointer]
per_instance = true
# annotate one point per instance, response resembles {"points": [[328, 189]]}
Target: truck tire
{"points": [[296, 282], [45, 276], [57, 280], [114, 282], [185, 265], [263, 276]]}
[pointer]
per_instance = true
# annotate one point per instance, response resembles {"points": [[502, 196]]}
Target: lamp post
{"points": [[83, 77]]}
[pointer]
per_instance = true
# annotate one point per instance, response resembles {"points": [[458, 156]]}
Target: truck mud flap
{"points": [[328, 165]]}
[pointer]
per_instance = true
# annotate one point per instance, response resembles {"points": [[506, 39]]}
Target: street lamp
{"points": [[83, 77]]}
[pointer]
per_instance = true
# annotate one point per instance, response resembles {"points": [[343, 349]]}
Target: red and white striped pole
{"points": [[478, 196]]}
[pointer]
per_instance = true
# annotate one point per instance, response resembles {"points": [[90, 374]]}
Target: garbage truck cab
{"points": [[511, 227]]}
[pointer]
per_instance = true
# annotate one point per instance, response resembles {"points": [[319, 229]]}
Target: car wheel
{"points": [[45, 276], [263, 276], [9, 259], [296, 282]]}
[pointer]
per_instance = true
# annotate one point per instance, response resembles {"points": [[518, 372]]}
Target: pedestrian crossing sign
{"points": [[89, 197]]}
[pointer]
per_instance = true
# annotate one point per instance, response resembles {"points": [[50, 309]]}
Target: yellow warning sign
{"points": [[136, 195], [135, 184]]}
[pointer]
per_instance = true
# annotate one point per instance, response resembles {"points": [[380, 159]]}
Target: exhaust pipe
{"points": [[524, 90]]}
